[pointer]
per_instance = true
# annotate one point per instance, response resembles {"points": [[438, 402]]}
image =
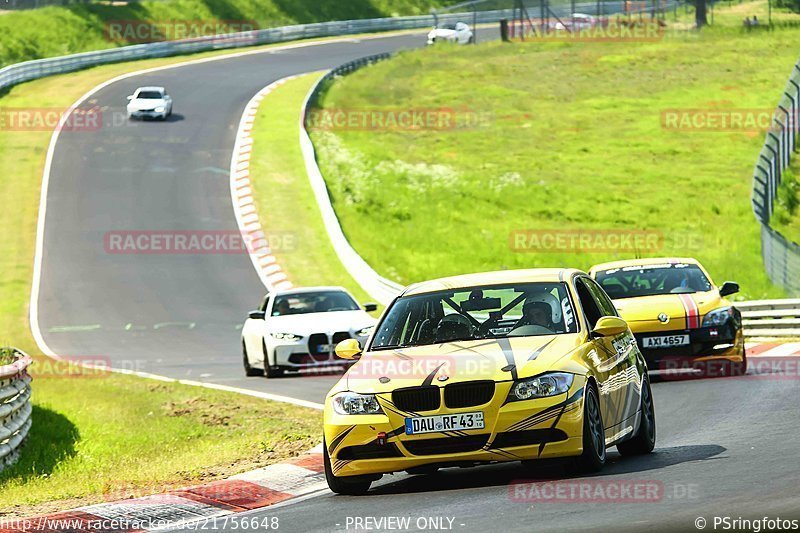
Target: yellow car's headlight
{"points": [[541, 386], [352, 403], [718, 317]]}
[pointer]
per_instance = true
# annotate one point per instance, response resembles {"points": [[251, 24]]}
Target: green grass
{"points": [[57, 30], [786, 217], [277, 166], [7, 356], [570, 138], [86, 445]]}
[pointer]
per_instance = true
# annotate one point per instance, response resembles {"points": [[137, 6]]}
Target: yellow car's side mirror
{"points": [[348, 349], [608, 326]]}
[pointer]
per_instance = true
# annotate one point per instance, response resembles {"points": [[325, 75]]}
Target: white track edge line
{"points": [[33, 313]]}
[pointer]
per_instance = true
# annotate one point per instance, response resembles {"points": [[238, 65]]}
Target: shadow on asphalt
{"points": [[508, 473]]}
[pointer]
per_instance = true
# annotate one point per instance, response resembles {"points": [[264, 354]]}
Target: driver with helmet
{"points": [[541, 309]]}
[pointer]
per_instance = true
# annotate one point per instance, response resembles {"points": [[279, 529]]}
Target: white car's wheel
{"points": [[249, 371], [269, 370]]}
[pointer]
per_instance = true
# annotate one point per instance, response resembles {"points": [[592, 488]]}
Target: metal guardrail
{"points": [[378, 287], [781, 256], [15, 408], [771, 318], [30, 70]]}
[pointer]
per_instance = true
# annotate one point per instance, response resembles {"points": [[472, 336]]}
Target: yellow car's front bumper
{"points": [[514, 431]]}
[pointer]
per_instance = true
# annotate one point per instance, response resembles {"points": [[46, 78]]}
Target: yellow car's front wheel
{"points": [[351, 485], [593, 457]]}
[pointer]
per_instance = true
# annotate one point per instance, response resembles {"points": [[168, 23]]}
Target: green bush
{"points": [[793, 5]]}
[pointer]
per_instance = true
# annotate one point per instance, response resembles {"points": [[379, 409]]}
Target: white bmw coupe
{"points": [[299, 328], [459, 32], [149, 102]]}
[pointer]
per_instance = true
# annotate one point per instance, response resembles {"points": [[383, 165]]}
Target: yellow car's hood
{"points": [[442, 364], [681, 310]]}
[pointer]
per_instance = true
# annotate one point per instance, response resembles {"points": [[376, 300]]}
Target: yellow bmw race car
{"points": [[681, 320], [502, 366]]}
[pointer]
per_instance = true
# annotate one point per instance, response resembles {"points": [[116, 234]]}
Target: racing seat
{"points": [[448, 331]]}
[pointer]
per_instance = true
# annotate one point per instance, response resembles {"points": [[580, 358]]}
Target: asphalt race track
{"points": [[167, 314], [179, 316], [716, 438]]}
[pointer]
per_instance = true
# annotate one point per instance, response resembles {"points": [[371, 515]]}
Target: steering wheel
{"points": [[484, 328]]}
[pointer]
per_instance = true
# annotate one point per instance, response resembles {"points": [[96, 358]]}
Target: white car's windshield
{"points": [[633, 281], [488, 312], [313, 302], [149, 95]]}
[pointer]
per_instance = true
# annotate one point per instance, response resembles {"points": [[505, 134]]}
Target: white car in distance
{"points": [[149, 102], [299, 328], [459, 33]]}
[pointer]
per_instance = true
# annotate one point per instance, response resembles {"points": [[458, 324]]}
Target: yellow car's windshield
{"points": [[649, 280], [495, 311]]}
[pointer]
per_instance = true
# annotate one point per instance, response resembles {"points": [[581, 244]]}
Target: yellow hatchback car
{"points": [[502, 366], [681, 320]]}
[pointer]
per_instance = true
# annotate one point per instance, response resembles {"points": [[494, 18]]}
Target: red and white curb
{"points": [[245, 492], [241, 493], [244, 207], [773, 349]]}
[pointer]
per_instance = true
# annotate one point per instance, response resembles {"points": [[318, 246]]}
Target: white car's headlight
{"points": [[286, 336], [352, 403], [718, 317], [364, 332], [541, 386], [160, 109]]}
